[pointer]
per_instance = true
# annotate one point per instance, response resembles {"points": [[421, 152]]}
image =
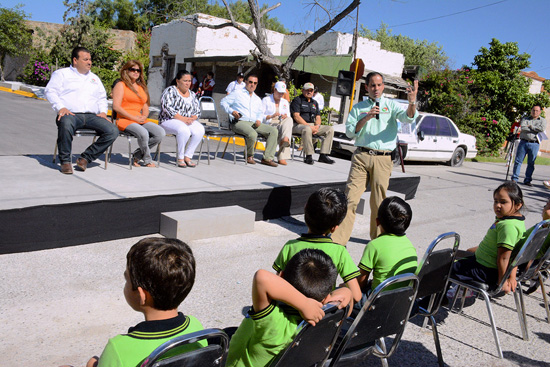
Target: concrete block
{"points": [[195, 224], [363, 207]]}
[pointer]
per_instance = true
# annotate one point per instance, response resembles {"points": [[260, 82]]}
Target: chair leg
{"points": [[544, 297], [492, 320], [520, 307], [234, 151], [158, 155], [383, 352], [54, 152], [130, 155], [226, 144], [436, 341], [429, 309]]}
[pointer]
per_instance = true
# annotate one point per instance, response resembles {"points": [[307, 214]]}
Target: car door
{"points": [[426, 140], [447, 138]]}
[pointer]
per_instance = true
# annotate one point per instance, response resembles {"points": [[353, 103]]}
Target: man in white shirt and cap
{"points": [[79, 98]]}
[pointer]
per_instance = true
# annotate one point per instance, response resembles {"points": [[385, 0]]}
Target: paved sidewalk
{"points": [[60, 306]]}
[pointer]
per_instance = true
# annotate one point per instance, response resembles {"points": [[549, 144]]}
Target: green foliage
{"points": [[141, 50], [139, 15], [107, 77], [325, 113], [546, 85], [15, 37], [39, 68], [486, 100], [417, 52]]}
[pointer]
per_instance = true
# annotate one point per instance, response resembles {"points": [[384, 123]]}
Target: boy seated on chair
{"points": [[301, 289], [159, 274], [391, 253], [324, 211]]}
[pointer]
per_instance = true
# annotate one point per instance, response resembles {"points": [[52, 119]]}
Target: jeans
{"points": [[531, 150], [68, 124], [187, 136], [148, 135]]}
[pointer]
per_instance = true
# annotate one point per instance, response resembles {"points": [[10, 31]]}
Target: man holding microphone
{"points": [[373, 125]]}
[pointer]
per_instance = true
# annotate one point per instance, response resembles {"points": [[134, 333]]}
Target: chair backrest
{"points": [[313, 344], [531, 247], [434, 269], [208, 110], [384, 313], [214, 354], [535, 241]]}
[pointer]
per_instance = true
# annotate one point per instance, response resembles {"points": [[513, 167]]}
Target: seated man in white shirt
{"points": [[79, 98], [247, 113]]}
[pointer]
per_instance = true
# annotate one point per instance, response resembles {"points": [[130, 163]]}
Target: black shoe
{"points": [[308, 159], [323, 158], [528, 184], [533, 285]]}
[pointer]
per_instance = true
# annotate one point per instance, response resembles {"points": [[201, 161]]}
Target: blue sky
{"points": [[461, 27]]}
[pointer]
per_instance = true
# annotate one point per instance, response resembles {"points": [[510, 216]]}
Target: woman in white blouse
{"points": [[277, 113], [179, 115]]}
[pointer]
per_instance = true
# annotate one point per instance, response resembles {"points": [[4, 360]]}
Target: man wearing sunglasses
{"points": [[246, 113], [79, 98]]}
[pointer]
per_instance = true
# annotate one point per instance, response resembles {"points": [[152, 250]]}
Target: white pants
{"points": [[185, 133]]}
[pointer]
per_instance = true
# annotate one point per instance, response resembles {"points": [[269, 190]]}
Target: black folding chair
{"points": [[79, 133], [385, 313], [213, 355], [527, 253], [313, 344], [534, 272], [433, 274]]}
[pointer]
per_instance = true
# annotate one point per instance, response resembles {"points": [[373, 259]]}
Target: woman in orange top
{"points": [[131, 103]]}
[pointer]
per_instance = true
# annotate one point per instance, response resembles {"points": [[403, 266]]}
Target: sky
{"points": [[461, 27]]}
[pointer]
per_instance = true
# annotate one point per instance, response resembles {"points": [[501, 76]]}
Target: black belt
{"points": [[531, 141], [374, 151]]}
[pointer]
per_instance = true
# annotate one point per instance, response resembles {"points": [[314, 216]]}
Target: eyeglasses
{"points": [[251, 82], [308, 90], [134, 70]]}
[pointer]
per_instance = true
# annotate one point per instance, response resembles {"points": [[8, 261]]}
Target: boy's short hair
{"points": [[394, 215], [325, 209], [164, 267], [312, 273]]}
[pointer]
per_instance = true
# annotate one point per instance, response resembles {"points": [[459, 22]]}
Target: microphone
{"points": [[377, 100]]}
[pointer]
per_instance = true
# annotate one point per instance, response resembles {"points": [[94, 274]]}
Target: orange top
{"points": [[131, 104]]}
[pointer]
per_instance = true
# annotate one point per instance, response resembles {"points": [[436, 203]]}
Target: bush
{"points": [[107, 77], [36, 72]]}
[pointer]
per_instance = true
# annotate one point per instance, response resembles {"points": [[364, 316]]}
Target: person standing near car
{"points": [[373, 125], [529, 144]]}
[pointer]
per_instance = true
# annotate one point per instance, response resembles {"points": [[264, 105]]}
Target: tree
{"points": [[256, 32], [15, 37], [487, 97], [119, 14], [417, 52]]}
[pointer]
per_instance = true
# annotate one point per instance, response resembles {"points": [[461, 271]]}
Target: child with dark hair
{"points": [[391, 253], [324, 211], [160, 273], [490, 259], [301, 289]]}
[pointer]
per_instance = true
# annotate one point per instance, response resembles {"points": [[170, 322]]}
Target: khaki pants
{"points": [[365, 169], [284, 127], [250, 132], [325, 131]]}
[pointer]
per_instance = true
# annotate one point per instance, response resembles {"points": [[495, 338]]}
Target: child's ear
{"points": [[144, 296], [333, 229]]}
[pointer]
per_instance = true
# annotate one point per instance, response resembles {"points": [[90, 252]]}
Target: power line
{"points": [[448, 15]]}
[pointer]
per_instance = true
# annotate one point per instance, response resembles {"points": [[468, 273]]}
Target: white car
{"points": [[430, 138]]}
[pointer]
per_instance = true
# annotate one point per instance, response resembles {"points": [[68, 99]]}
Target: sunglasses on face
{"points": [[134, 70], [251, 82]]}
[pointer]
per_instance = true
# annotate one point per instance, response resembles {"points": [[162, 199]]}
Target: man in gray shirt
{"points": [[528, 144]]}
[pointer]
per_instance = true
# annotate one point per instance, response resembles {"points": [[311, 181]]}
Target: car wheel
{"points": [[458, 157]]}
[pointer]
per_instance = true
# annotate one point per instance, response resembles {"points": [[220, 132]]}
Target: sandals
{"points": [[190, 164], [181, 163]]}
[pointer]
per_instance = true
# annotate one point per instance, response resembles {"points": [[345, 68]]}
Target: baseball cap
{"points": [[308, 86], [240, 75], [280, 87]]}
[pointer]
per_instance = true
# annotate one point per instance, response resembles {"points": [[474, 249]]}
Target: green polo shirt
{"points": [[388, 255], [263, 335], [380, 134], [505, 232], [339, 254]]}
